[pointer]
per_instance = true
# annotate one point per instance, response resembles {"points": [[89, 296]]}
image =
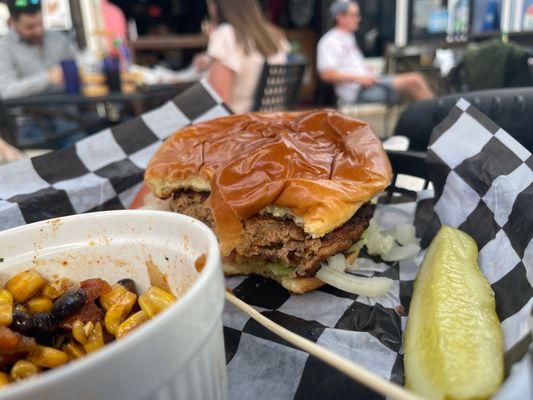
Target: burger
{"points": [[283, 191]]}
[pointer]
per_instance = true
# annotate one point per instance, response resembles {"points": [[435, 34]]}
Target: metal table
{"points": [[58, 104]]}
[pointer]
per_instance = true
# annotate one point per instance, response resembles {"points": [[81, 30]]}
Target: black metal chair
{"points": [[325, 95], [279, 86], [9, 118], [511, 109]]}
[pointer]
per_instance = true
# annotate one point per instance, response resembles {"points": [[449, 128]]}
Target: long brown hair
{"points": [[250, 25]]}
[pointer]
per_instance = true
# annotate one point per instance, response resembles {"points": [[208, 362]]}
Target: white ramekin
{"points": [[177, 355]]}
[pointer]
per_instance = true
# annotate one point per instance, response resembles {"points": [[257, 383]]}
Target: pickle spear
{"points": [[453, 347]]}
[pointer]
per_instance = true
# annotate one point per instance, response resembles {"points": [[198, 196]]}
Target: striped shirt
{"points": [[24, 66]]}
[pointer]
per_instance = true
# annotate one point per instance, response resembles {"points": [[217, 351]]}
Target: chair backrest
{"points": [[511, 109], [279, 86], [491, 65]]}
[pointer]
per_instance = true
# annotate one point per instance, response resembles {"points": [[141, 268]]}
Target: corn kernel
{"points": [[118, 311], [56, 288], [4, 379], [155, 300], [95, 339], [73, 350], [48, 357], [78, 331], [24, 369], [113, 296], [5, 297], [131, 323], [6, 314], [88, 328], [40, 304], [23, 286]]}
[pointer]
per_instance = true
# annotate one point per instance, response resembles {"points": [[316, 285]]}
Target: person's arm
{"points": [[8, 153], [11, 86], [332, 76], [221, 78], [225, 64]]}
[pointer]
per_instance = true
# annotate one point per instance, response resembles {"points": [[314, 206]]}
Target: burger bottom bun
{"points": [[293, 285]]}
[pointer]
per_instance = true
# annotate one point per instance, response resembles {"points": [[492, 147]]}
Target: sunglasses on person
{"points": [[353, 14], [26, 3]]}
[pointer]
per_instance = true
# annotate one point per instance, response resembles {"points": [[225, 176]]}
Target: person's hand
{"points": [[201, 62], [55, 75], [207, 27], [8, 152], [367, 81]]}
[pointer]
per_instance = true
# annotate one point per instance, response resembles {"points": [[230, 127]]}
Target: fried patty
{"points": [[274, 239]]}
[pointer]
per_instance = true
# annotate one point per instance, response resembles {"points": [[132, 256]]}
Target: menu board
{"points": [[56, 15]]}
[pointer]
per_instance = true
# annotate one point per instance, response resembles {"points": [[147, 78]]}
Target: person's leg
{"points": [[413, 85], [30, 132], [373, 94], [73, 132]]}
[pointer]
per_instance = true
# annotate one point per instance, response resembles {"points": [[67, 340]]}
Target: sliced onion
{"points": [[354, 284], [378, 244], [364, 266], [337, 262], [399, 253]]}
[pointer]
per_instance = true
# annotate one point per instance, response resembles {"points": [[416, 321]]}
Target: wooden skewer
{"points": [[354, 371]]}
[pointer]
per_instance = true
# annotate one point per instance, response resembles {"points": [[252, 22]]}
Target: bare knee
{"points": [[405, 79]]}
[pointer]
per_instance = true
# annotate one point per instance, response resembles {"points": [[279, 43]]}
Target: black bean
{"points": [[45, 339], [22, 323], [128, 284], [69, 303], [44, 323]]}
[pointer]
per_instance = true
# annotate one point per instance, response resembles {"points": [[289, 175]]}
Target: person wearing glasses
{"points": [[341, 63], [31, 56], [30, 60]]}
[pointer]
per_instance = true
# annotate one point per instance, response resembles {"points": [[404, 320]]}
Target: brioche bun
{"points": [[316, 167], [296, 285]]}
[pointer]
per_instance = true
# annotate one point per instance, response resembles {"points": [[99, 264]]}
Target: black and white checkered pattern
{"points": [[101, 172], [486, 190], [105, 172]]}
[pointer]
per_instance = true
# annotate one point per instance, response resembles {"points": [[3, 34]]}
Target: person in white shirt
{"points": [[238, 48], [340, 62]]}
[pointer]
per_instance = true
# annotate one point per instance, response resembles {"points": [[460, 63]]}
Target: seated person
{"points": [[341, 63], [30, 64], [238, 48]]}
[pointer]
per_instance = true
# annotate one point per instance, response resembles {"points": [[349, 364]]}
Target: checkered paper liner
{"points": [[480, 179]]}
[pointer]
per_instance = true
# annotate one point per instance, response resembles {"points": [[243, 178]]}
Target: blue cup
{"points": [[71, 76], [112, 73]]}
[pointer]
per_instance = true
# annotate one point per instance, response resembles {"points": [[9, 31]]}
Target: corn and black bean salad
{"points": [[45, 324]]}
